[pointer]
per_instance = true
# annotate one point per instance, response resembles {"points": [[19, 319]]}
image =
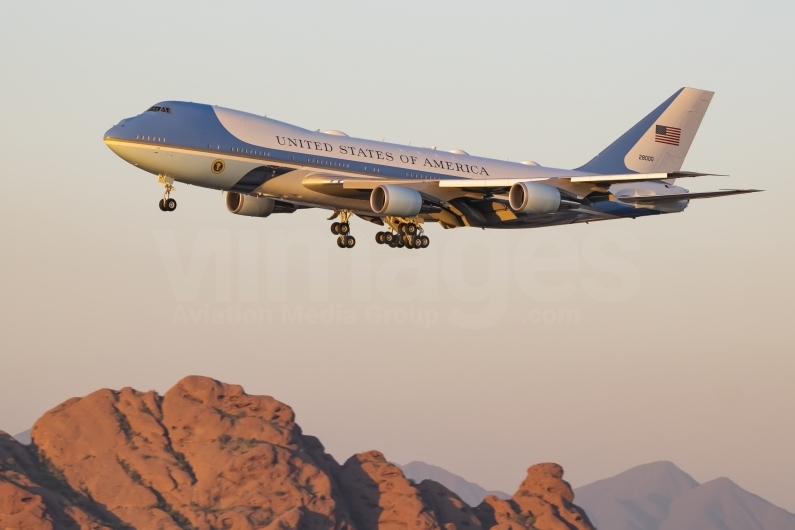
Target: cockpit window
{"points": [[159, 109]]}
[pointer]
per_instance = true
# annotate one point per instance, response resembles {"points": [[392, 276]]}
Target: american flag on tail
{"points": [[667, 135]]}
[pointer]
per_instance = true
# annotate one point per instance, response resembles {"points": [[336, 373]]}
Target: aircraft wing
{"points": [[602, 179], [574, 185], [681, 196]]}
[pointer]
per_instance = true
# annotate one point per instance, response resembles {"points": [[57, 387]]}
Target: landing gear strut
{"points": [[167, 204], [342, 229], [405, 234]]}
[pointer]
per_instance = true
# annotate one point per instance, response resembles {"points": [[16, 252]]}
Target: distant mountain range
{"points": [[469, 492], [23, 437], [656, 496], [660, 496]]}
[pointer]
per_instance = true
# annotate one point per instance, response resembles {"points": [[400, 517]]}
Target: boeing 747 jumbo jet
{"points": [[269, 167]]}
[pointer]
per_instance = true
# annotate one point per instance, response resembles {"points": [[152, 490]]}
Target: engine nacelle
{"points": [[240, 204], [388, 199], [534, 198]]}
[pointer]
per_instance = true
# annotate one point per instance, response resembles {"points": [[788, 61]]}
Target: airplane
{"points": [[266, 167]]}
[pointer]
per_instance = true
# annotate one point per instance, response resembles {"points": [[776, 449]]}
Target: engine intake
{"points": [[240, 204], [388, 199], [534, 198]]}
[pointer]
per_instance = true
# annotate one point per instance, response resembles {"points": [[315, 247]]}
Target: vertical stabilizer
{"points": [[659, 142]]}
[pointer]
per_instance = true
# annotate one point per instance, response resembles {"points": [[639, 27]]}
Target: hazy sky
{"points": [[598, 346]]}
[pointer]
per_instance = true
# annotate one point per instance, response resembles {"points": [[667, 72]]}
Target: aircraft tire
{"points": [[171, 205], [344, 228], [350, 241], [341, 242], [379, 238], [335, 228], [162, 205], [425, 241], [411, 229]]}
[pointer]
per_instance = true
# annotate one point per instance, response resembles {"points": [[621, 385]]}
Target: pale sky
{"points": [[598, 346]]}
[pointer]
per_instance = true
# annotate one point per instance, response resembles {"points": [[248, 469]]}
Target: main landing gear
{"points": [[167, 204], [343, 229], [407, 234], [404, 233]]}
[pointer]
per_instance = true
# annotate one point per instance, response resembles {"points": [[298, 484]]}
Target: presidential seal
{"points": [[218, 166]]}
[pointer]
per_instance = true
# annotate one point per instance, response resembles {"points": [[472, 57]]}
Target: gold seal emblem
{"points": [[218, 166]]}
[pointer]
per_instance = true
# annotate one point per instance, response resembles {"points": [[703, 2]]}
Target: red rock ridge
{"points": [[208, 456]]}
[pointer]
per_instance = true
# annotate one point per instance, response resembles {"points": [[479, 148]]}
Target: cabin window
{"points": [[159, 109]]}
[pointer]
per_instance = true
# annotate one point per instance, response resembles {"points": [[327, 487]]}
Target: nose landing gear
{"points": [[167, 204], [343, 229]]}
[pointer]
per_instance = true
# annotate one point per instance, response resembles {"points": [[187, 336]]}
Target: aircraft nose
{"points": [[117, 132], [110, 134]]}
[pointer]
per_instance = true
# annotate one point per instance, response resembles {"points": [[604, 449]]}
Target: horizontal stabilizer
{"points": [[682, 196]]}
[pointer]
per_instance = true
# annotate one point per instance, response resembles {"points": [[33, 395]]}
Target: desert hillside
{"points": [[208, 456]]}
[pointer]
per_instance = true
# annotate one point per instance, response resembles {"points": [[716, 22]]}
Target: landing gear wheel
{"points": [[379, 238], [167, 204], [400, 243], [410, 229], [389, 237], [392, 243], [342, 229], [425, 241]]}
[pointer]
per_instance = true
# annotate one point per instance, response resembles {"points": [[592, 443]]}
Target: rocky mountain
{"points": [[208, 456], [660, 496], [469, 492]]}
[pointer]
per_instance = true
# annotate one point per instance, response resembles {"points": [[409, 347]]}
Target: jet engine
{"points": [[395, 200], [534, 198], [240, 204]]}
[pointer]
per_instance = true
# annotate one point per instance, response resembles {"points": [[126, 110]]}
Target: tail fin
{"points": [[659, 142]]}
